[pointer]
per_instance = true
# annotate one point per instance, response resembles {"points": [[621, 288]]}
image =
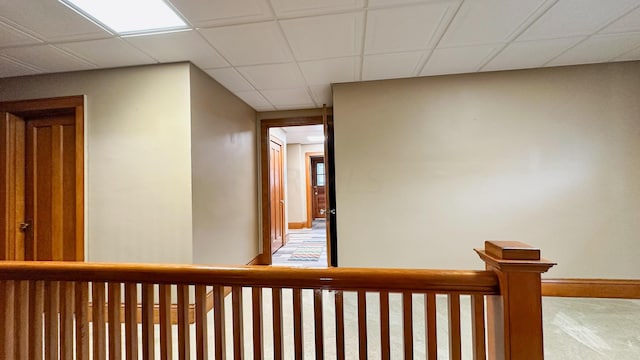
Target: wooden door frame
{"points": [[33, 108], [265, 125], [309, 192]]}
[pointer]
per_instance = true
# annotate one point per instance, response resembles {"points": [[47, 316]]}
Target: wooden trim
{"points": [[265, 125], [592, 288], [308, 182], [297, 225], [28, 107]]}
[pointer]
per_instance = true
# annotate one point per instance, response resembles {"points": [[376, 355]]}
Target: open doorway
{"points": [[295, 193]]}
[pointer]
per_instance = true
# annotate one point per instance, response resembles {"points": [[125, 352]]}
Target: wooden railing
{"points": [[592, 288], [44, 310]]}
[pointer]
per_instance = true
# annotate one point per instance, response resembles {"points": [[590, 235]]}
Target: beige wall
{"points": [[137, 151], [297, 182], [428, 168], [224, 174]]}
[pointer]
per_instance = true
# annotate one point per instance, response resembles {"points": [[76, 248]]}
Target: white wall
{"points": [[429, 168], [297, 179], [224, 174], [137, 151]]}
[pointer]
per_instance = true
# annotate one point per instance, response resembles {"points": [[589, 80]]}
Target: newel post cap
{"points": [[513, 256]]}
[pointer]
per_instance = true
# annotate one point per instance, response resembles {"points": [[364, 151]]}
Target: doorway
{"points": [[295, 225], [318, 198], [42, 179]]}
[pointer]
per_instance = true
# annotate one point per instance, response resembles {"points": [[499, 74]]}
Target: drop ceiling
{"points": [[285, 54]]}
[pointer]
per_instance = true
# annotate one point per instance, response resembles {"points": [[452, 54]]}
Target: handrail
{"points": [[463, 281], [592, 288]]}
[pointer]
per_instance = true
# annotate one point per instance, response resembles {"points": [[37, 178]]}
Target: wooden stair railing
{"points": [[62, 292]]}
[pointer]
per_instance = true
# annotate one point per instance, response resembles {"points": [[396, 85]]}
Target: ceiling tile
{"points": [[10, 36], [332, 70], [107, 53], [204, 13], [405, 28], [289, 98], [250, 44], [529, 54], [390, 66], [498, 19], [575, 18], [255, 100], [378, 3], [49, 20], [322, 94], [9, 68], [629, 22], [458, 60], [630, 55], [47, 57], [324, 37], [599, 48], [179, 46], [285, 8], [231, 79], [273, 76]]}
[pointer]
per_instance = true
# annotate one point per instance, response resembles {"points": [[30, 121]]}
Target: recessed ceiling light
{"points": [[127, 17]]}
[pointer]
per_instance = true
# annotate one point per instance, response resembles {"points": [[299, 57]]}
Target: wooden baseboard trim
{"points": [[591, 288], [297, 225], [174, 307]]}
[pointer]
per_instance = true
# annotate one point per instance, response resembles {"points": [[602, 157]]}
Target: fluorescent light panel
{"points": [[129, 16]]}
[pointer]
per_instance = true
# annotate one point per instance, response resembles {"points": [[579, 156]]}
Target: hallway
{"points": [[304, 247]]}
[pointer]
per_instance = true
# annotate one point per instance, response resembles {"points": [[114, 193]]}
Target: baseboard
{"points": [[297, 225]]}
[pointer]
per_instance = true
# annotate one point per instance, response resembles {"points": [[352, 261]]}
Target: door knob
{"points": [[25, 226]]}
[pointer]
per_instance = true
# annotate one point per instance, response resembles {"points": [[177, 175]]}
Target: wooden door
{"points": [[276, 174], [42, 179], [330, 188], [319, 199], [50, 216]]}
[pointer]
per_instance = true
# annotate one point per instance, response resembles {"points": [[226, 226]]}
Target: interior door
{"points": [[12, 172], [50, 188], [330, 189], [276, 173], [319, 199]]}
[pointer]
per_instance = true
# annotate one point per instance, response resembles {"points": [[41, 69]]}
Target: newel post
{"points": [[514, 318]]}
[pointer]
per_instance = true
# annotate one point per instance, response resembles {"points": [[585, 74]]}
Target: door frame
{"points": [[309, 185], [265, 125], [36, 107]]}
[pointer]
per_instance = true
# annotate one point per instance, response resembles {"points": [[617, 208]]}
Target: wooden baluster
{"points": [[218, 322], [36, 309], [22, 319], [51, 335], [131, 320], [7, 321], [165, 322], [362, 324], [385, 338], [98, 320], [201, 322], [148, 338], [477, 327], [82, 320], [431, 330], [317, 310], [258, 340], [238, 333], [455, 347], [184, 345], [339, 308], [407, 323], [115, 326], [276, 302], [298, 335], [66, 320]]}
